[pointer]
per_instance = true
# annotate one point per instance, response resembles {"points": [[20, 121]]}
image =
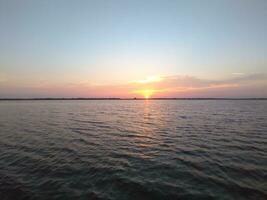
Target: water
{"points": [[133, 149]]}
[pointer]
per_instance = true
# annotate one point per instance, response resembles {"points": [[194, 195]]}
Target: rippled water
{"points": [[133, 149]]}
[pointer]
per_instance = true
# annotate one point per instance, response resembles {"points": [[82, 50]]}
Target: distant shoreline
{"points": [[68, 99]]}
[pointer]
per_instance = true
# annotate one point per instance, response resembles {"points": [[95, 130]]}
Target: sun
{"points": [[146, 93]]}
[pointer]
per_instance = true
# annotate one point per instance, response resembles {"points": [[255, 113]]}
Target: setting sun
{"points": [[146, 93]]}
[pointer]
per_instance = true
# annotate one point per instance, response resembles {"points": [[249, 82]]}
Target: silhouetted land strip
{"points": [[39, 99]]}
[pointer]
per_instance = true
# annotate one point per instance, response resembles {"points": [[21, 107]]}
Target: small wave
{"points": [[11, 188]]}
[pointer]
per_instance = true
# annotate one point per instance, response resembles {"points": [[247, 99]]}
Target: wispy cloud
{"points": [[238, 73], [191, 81], [149, 79], [181, 85], [252, 85]]}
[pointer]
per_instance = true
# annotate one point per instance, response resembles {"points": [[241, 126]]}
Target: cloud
{"points": [[189, 85], [252, 85], [149, 79], [249, 78], [238, 73]]}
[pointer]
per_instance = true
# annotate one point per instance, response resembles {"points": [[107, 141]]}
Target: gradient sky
{"points": [[123, 48]]}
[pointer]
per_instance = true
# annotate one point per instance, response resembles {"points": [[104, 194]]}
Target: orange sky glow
{"points": [[152, 86]]}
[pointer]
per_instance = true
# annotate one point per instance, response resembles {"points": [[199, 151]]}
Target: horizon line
{"points": [[134, 98]]}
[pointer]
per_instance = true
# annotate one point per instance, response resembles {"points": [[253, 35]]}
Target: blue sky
{"points": [[54, 44]]}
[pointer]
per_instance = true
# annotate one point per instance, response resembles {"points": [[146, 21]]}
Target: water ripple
{"points": [[133, 150]]}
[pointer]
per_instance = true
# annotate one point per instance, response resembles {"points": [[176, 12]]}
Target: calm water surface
{"points": [[133, 149]]}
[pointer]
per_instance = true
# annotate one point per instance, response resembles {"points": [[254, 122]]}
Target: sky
{"points": [[133, 48]]}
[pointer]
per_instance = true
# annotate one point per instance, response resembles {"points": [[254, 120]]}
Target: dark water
{"points": [[133, 150]]}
